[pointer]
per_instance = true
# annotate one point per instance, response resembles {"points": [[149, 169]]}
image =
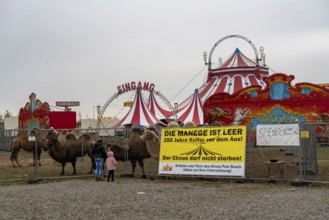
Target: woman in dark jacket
{"points": [[99, 153]]}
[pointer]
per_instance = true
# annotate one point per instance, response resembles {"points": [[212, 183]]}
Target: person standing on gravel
{"points": [[99, 153], [111, 165]]}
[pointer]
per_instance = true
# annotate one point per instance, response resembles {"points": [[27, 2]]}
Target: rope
{"points": [[188, 83], [55, 107], [274, 71], [122, 108]]}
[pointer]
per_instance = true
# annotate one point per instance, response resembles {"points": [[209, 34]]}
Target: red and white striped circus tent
{"points": [[236, 73], [139, 114], [192, 111], [156, 109]]}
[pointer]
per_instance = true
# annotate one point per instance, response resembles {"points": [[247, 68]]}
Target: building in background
{"points": [[10, 123]]}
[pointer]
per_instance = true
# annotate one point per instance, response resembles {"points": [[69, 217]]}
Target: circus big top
{"points": [[235, 73], [238, 90]]}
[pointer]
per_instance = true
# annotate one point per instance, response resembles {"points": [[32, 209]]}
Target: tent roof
{"points": [[156, 109], [236, 73], [239, 60], [139, 114], [192, 110]]}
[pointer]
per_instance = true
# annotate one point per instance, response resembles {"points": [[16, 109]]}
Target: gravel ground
{"points": [[135, 198]]}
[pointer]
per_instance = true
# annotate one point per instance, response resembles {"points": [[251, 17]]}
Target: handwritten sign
{"points": [[278, 135]]}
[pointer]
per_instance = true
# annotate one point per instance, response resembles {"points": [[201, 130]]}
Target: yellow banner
{"points": [[128, 104], [203, 150]]}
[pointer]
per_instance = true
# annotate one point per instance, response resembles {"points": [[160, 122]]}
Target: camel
{"points": [[137, 150], [189, 124], [22, 141], [70, 150], [152, 142], [129, 154], [140, 147], [172, 124]]}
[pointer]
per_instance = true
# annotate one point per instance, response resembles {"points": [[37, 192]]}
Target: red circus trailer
{"points": [[37, 114]]}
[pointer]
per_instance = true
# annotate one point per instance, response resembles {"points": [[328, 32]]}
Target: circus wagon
{"points": [[241, 91]]}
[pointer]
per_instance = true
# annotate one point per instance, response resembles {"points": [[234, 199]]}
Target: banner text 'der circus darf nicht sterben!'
{"points": [[203, 151]]}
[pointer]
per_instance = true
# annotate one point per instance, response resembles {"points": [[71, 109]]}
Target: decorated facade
{"points": [[278, 102], [37, 114]]}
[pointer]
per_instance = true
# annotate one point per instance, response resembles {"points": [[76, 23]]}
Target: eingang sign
{"points": [[203, 151], [135, 86]]}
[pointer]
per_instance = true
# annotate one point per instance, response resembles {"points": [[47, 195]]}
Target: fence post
{"points": [[35, 178], [300, 181]]}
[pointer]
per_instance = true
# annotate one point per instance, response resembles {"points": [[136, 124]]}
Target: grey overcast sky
{"points": [[81, 50]]}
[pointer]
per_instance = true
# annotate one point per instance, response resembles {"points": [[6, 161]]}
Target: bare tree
{"points": [[8, 114]]}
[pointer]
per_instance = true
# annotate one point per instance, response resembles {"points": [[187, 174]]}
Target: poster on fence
{"points": [[277, 135], [203, 151]]}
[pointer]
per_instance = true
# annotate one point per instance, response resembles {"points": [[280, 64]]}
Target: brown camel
{"points": [[172, 124], [152, 142], [71, 149], [137, 150], [22, 141], [189, 124], [125, 154]]}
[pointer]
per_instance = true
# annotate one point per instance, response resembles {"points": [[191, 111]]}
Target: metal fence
{"points": [[308, 162]]}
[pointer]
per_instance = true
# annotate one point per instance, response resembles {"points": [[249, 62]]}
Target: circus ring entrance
{"points": [[132, 88]]}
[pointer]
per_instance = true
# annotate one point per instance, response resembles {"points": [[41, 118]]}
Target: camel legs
{"points": [[63, 167], [93, 165], [133, 164], [38, 157], [73, 165], [73, 162], [141, 164], [14, 157]]}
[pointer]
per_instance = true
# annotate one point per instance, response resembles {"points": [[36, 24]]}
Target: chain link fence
{"points": [[308, 162]]}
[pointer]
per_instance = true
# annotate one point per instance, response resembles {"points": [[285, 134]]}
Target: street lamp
{"points": [[205, 57], [262, 55], [98, 110]]}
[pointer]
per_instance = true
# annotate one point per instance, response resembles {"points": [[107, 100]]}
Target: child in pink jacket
{"points": [[111, 165]]}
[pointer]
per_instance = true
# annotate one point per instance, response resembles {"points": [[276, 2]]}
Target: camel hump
{"points": [[153, 129], [135, 129], [22, 133], [64, 132], [189, 124], [86, 136], [34, 131], [70, 136], [150, 132], [173, 124]]}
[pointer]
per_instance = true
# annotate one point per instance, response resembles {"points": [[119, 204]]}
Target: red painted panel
{"points": [[62, 120]]}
